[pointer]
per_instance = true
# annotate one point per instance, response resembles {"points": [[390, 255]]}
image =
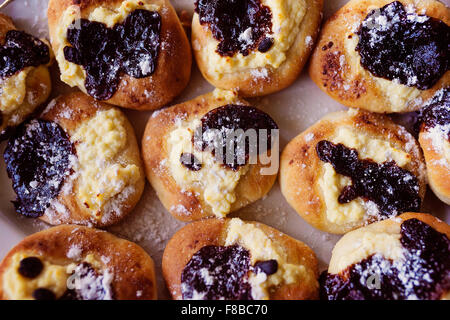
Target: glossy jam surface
{"points": [[21, 50], [130, 47], [423, 274], [239, 26], [394, 190], [224, 128], [217, 272], [37, 161], [436, 112], [403, 46]]}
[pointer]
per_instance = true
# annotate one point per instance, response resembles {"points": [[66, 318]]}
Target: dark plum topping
{"points": [[423, 274], [21, 50], [268, 267], [30, 267], [43, 294], [81, 289], [37, 161], [436, 112], [217, 272], [229, 128], [404, 46], [393, 189], [130, 47], [230, 20], [190, 161]]}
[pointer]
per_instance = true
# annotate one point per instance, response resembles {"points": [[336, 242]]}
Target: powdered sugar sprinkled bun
{"points": [[26, 89], [336, 64], [434, 138], [74, 262], [77, 163], [188, 179], [350, 169], [405, 258], [232, 259], [284, 51], [155, 57]]}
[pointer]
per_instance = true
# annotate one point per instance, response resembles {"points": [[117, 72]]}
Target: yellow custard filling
{"points": [[263, 248], [214, 182], [99, 142], [331, 183], [71, 73], [287, 16]]}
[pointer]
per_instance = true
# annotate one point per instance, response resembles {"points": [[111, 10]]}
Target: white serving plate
{"points": [[150, 225]]}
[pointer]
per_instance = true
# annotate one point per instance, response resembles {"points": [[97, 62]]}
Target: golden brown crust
{"points": [[344, 84], [277, 79], [173, 68], [251, 187], [191, 238], [132, 268], [438, 171], [301, 169], [38, 84], [81, 108]]}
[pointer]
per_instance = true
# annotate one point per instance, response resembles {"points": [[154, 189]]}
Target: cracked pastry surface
{"points": [[24, 78], [350, 169], [189, 169], [254, 46], [77, 163], [434, 138], [384, 56], [405, 258], [76, 263], [233, 259], [132, 53]]}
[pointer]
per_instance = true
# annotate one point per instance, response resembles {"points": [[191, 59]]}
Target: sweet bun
{"points": [[382, 55], [182, 164], [76, 263], [434, 138], [78, 163], [396, 259], [350, 169], [25, 80], [144, 70], [231, 259], [258, 53]]}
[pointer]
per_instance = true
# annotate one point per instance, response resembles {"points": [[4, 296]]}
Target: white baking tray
{"points": [[150, 225]]}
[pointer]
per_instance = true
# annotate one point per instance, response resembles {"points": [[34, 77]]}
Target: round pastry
{"points": [[210, 156], [434, 138], [77, 163], [254, 46], [384, 55], [229, 259], [24, 77], [350, 169], [76, 263], [130, 53], [406, 258]]}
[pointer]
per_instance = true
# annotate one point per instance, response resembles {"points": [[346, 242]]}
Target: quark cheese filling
{"points": [[287, 17]]}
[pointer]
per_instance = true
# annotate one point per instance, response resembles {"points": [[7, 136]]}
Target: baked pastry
{"points": [[130, 53], [350, 169], [235, 260], [24, 77], [192, 166], [434, 138], [78, 163], [254, 46], [76, 263], [383, 55], [406, 258]]}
